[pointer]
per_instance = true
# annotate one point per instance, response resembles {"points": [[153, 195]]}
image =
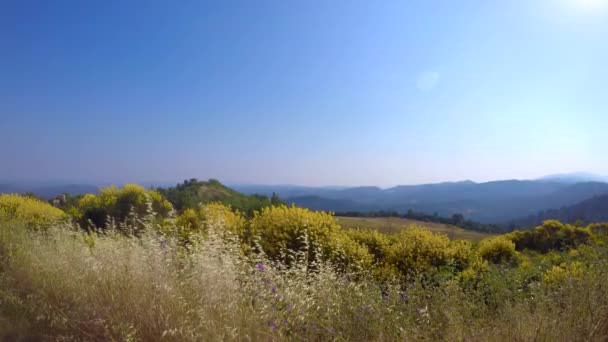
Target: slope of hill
{"points": [[391, 225], [193, 192], [588, 211], [328, 204]]}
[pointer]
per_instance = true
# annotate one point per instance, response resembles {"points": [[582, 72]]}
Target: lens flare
{"points": [[591, 4]]}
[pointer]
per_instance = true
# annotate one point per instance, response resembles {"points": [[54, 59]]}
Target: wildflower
{"points": [[423, 311], [260, 267]]}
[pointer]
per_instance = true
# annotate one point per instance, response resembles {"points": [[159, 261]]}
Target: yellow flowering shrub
{"points": [[188, 222], [118, 204], [497, 250], [33, 212], [292, 229], [461, 253], [551, 235], [376, 242], [211, 216], [417, 250], [564, 273], [217, 215]]}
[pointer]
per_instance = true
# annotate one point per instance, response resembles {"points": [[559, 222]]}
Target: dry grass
{"points": [[392, 225], [67, 285]]}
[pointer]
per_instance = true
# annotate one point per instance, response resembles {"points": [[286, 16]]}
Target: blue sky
{"points": [[303, 92]]}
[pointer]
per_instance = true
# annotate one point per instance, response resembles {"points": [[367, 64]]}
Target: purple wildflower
{"points": [[260, 267]]}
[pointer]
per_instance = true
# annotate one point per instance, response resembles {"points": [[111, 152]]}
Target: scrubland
{"points": [[285, 273]]}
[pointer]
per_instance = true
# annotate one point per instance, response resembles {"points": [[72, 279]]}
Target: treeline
{"points": [[457, 220]]}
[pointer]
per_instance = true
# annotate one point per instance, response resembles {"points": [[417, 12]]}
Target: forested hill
{"points": [[497, 202], [191, 193], [592, 210]]}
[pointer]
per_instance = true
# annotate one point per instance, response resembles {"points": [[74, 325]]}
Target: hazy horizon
{"points": [[309, 93], [147, 182]]}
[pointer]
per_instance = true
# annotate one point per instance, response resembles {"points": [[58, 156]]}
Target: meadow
{"points": [[392, 225], [286, 273]]}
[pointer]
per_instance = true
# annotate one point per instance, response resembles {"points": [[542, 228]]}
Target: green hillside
{"points": [[191, 193]]}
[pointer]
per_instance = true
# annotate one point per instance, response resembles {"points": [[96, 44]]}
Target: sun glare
{"points": [[590, 4]]}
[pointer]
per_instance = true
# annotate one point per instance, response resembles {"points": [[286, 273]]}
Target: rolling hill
{"points": [[49, 191], [588, 211], [191, 193], [392, 225], [490, 202]]}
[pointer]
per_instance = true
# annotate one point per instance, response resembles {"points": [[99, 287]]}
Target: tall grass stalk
{"points": [[63, 284]]}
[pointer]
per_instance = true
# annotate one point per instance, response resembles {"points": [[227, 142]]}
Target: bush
{"points": [[286, 230], [377, 243], [121, 205], [498, 250], [29, 210], [559, 275], [417, 250], [551, 235], [193, 223], [599, 229], [70, 285]]}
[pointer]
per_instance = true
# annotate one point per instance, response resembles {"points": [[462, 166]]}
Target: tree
{"points": [[275, 200]]}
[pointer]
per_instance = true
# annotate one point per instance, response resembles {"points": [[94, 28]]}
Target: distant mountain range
{"points": [[576, 177], [490, 202], [499, 202], [49, 191], [588, 211]]}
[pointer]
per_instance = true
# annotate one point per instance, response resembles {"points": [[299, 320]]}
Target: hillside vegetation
{"points": [[214, 273], [393, 225], [191, 193]]}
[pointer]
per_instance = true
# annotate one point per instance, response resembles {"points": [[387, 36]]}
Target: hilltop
{"points": [[191, 193]]}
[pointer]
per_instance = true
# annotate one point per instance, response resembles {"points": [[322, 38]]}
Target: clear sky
{"points": [[303, 92]]}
